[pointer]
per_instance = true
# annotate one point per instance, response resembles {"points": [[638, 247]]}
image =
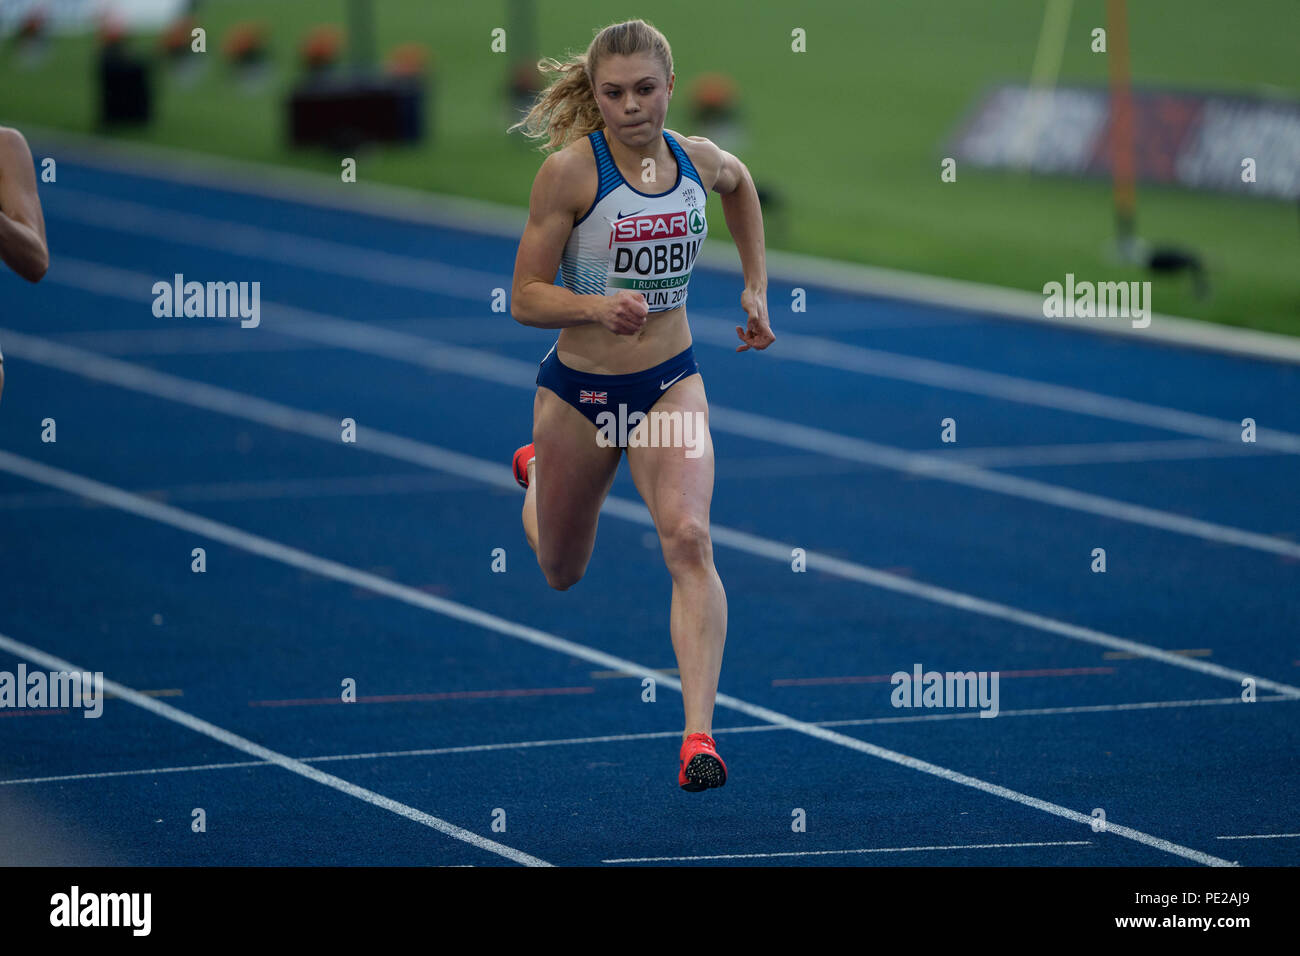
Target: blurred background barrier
{"points": [[344, 109], [350, 111], [125, 93]]}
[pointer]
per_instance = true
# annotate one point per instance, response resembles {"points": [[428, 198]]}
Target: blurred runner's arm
{"points": [[22, 226]]}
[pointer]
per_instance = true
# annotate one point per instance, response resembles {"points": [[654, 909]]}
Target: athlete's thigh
{"points": [[676, 483], [573, 476]]}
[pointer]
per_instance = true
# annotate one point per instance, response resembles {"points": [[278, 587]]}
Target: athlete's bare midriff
{"points": [[595, 349]]}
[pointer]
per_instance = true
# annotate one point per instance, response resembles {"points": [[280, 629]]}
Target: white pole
{"points": [[1042, 78]]}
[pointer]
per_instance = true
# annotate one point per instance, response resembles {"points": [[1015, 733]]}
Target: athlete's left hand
{"points": [[759, 333]]}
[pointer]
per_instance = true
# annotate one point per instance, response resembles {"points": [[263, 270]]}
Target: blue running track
{"points": [[486, 700]]}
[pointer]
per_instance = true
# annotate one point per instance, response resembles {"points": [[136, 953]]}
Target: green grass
{"points": [[850, 133]]}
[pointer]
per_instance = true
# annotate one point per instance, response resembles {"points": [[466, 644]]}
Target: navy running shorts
{"points": [[593, 394]]}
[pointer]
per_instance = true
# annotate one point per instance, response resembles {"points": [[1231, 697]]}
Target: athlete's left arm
{"points": [[744, 215]]}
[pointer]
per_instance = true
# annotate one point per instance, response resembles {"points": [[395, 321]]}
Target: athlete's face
{"points": [[633, 96]]}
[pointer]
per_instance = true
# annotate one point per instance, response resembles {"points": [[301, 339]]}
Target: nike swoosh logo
{"points": [[624, 215], [664, 385]]}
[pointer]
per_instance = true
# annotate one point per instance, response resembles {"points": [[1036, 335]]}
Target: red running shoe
{"points": [[701, 767], [522, 457]]}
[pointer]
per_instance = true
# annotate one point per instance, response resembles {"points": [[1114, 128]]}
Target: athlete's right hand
{"points": [[623, 313]]}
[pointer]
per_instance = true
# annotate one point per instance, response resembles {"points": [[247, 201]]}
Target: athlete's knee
{"points": [[561, 574], [562, 580], [686, 543]]}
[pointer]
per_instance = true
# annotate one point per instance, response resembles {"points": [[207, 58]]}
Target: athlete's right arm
{"points": [[22, 226], [535, 300]]}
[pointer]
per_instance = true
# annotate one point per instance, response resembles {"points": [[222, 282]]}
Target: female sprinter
{"points": [[22, 227], [625, 259]]}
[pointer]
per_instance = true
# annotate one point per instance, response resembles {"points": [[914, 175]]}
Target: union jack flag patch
{"points": [[593, 398]]}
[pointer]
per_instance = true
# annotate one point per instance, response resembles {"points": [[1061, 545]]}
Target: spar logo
{"points": [[697, 222], [657, 226]]}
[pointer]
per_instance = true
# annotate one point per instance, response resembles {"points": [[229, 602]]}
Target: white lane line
{"points": [[270, 489], [481, 217], [295, 326], [1011, 456], [1006, 303], [304, 325], [387, 754], [468, 331], [1261, 836], [270, 245], [399, 347], [426, 275], [219, 341], [145, 772], [652, 735], [1055, 711], [428, 353], [365, 485], [892, 365], [200, 341], [883, 849], [199, 726], [275, 551], [761, 428], [213, 398], [1099, 453]]}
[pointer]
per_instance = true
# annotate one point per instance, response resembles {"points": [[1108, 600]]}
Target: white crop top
{"points": [[635, 241]]}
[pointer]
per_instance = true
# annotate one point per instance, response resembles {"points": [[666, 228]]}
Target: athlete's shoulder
{"points": [[575, 159], [567, 174], [705, 155], [13, 143]]}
